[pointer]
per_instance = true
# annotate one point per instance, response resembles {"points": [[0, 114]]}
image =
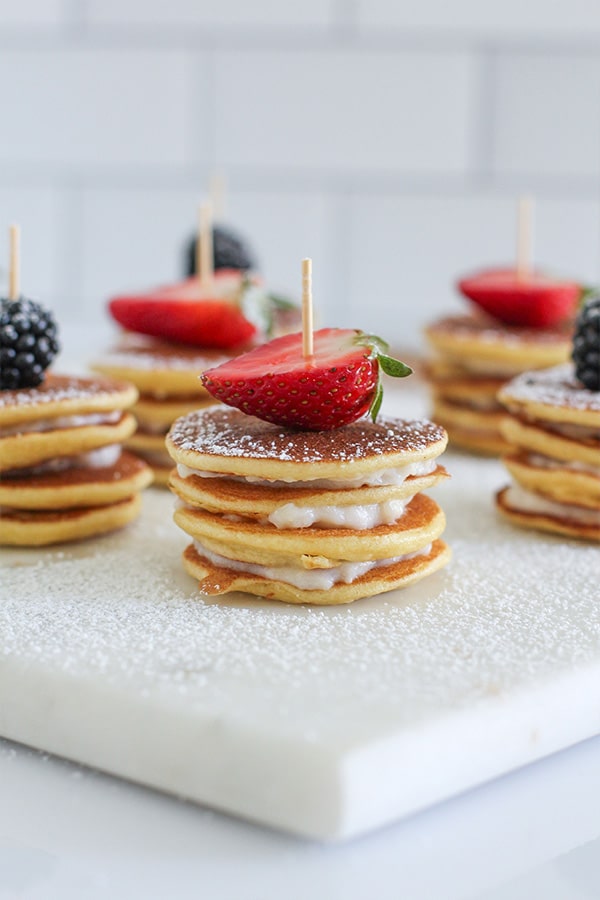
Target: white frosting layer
{"points": [[95, 459], [358, 517], [545, 462], [526, 501], [306, 579], [41, 425], [397, 475]]}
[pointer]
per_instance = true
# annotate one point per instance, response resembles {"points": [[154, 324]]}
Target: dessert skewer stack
{"points": [[63, 473]]}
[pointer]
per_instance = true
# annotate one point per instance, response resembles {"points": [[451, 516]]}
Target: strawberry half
{"points": [[186, 313], [337, 385], [534, 302]]}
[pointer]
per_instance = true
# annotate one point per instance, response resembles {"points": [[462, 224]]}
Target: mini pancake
{"points": [[158, 415], [476, 393], [476, 430], [64, 395], [151, 448], [226, 441], [216, 580], [253, 542], [161, 369], [30, 448], [555, 479], [26, 528], [255, 501], [519, 506], [553, 395], [76, 487], [537, 437], [498, 349]]}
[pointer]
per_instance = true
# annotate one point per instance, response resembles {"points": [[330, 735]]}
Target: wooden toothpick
{"points": [[14, 262], [216, 193], [524, 237], [307, 309], [204, 246]]}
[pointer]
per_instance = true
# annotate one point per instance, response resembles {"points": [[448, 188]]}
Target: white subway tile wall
{"points": [[386, 139]]}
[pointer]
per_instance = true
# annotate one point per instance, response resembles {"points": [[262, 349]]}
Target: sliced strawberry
{"points": [[536, 301], [336, 386], [187, 313]]}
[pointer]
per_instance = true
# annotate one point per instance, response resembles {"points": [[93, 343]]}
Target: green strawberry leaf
{"points": [[394, 367]]}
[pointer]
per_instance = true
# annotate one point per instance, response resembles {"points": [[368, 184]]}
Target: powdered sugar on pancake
{"points": [[489, 330], [556, 386], [230, 433], [58, 388]]}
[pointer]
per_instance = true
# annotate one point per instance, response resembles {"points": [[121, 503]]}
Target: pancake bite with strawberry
{"points": [[297, 490], [517, 324], [172, 334], [552, 426], [520, 319]]}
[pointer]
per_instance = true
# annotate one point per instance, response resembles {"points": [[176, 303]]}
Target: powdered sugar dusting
{"points": [[501, 617], [58, 388], [219, 431], [552, 387], [162, 357], [491, 331]]}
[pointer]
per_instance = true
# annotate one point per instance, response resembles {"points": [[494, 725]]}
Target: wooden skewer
{"points": [[216, 193], [14, 264], [524, 236], [204, 246], [307, 309]]}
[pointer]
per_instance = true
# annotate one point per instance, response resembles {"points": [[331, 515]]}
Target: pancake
{"points": [[30, 448], [476, 430], [64, 395], [29, 528], [82, 486], [553, 425], [484, 345], [265, 544], [317, 517], [553, 395], [151, 448], [556, 479], [217, 580], [161, 369], [531, 510], [154, 414], [224, 440], [256, 501]]}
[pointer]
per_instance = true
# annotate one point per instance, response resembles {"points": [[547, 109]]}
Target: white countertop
{"points": [[69, 833]]}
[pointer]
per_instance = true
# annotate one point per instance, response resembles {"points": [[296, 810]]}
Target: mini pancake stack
{"points": [[167, 376], [63, 474], [553, 429], [320, 517], [473, 356]]}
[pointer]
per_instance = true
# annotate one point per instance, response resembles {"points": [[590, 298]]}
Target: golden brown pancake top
{"points": [[59, 395], [484, 328], [556, 387], [225, 432]]}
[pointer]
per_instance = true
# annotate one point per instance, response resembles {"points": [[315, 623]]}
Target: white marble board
{"points": [[325, 722]]}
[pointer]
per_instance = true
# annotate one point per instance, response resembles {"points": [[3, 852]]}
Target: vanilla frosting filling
{"points": [[357, 517], [526, 501], [308, 580], [545, 462], [392, 476], [94, 459], [41, 425]]}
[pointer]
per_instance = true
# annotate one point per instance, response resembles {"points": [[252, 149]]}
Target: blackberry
{"points": [[586, 344], [28, 343], [229, 252]]}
